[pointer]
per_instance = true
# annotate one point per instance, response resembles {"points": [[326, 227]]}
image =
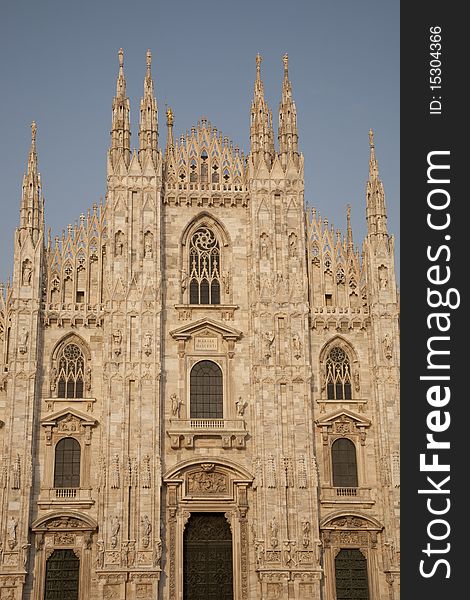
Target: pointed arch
{"points": [[70, 371]]}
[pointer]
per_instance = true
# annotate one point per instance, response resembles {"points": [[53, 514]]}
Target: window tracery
{"points": [[71, 372], [204, 265], [338, 375]]}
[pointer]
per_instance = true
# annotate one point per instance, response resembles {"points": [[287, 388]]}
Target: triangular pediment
{"points": [[188, 331], [343, 415], [67, 413], [134, 167]]}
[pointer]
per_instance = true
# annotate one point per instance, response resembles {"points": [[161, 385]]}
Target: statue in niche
{"points": [[23, 340], [383, 277], [388, 346], [117, 341], [274, 527], [268, 338], [148, 343], [296, 346], [264, 245], [306, 533], [241, 405], [115, 527], [357, 385], [27, 273], [148, 245], [157, 554], [292, 245], [259, 548], [176, 403], [145, 530], [119, 243], [100, 554], [11, 532]]}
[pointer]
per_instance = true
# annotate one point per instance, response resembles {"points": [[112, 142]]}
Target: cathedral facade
{"points": [[199, 384]]}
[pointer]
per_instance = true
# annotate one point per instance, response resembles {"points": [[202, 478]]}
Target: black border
{"points": [[421, 133]]}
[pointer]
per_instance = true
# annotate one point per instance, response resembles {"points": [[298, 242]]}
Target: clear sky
{"points": [[59, 66]]}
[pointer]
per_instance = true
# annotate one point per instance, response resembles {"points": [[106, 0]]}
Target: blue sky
{"points": [[59, 66]]}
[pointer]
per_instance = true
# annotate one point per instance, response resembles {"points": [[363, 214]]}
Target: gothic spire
{"points": [[349, 236], [376, 213], [32, 203], [120, 129], [288, 134], [148, 125], [261, 127]]}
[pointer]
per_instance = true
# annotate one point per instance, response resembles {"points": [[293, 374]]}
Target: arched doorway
{"points": [[62, 576], [207, 558]]}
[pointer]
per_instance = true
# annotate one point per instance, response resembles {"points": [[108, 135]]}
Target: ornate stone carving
{"points": [[145, 473], [271, 472], [64, 538], [288, 472], [302, 472], [202, 482], [26, 272], [157, 553], [16, 473], [296, 346]]}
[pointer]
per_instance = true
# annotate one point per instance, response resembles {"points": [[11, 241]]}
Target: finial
{"points": [[169, 117], [285, 60], [258, 62], [348, 213], [33, 132], [149, 59], [371, 138], [121, 57]]}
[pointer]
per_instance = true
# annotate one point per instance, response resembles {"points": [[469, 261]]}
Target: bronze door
{"points": [[207, 558], [351, 575], [62, 576]]}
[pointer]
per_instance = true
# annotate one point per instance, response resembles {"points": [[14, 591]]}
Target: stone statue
{"points": [[241, 405], [176, 403], [11, 532]]}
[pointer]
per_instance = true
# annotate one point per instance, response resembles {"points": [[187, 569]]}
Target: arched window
{"points": [[204, 268], [67, 463], [71, 365], [343, 458], [351, 575], [206, 391], [338, 375]]}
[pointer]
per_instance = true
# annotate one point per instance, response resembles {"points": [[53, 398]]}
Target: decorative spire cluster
{"points": [[32, 202], [121, 129], [148, 126], [376, 213], [261, 127], [288, 135]]}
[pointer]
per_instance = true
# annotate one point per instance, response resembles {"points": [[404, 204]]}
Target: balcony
{"points": [[331, 496], [231, 433], [69, 497]]}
